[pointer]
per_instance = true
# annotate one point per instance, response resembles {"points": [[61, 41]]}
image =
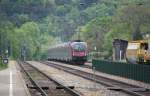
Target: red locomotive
{"points": [[73, 51]]}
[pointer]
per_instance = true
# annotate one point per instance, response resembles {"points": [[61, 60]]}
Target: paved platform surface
{"points": [[11, 82]]}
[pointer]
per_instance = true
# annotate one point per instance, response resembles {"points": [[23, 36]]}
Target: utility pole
{"points": [[96, 33], [24, 52], [1, 52], [79, 33], [80, 21]]}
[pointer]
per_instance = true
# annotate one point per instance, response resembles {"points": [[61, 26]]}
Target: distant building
{"points": [[119, 49]]}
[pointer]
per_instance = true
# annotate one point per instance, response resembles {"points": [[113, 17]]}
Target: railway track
{"points": [[40, 84], [109, 83], [83, 66]]}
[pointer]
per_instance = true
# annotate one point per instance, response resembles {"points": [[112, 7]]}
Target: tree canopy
{"points": [[39, 24]]}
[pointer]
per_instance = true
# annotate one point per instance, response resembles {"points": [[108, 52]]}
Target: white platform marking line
{"points": [[11, 85]]}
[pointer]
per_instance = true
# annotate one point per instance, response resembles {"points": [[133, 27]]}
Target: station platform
{"points": [[11, 81]]}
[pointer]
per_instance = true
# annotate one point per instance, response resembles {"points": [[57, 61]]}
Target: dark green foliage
{"points": [[63, 2], [41, 23], [2, 66]]}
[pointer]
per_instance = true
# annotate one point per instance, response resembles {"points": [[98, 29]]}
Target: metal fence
{"points": [[133, 71]]}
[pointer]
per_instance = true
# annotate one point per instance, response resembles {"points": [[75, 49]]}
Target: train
{"points": [[138, 52], [73, 51]]}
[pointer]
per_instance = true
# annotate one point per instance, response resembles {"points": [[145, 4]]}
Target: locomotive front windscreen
{"points": [[79, 47]]}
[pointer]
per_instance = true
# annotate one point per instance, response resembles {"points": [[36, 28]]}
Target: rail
{"points": [[40, 89], [110, 83]]}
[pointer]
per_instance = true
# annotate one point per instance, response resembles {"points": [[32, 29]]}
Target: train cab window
{"points": [[79, 47]]}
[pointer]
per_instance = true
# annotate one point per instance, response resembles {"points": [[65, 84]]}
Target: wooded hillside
{"points": [[37, 24]]}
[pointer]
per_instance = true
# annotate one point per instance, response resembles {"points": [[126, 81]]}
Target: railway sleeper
{"points": [[131, 89], [34, 87], [61, 87], [47, 88], [114, 88], [137, 89]]}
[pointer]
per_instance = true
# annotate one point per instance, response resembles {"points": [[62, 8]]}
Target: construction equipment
{"points": [[138, 52]]}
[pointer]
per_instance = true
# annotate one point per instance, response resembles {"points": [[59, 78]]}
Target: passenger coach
{"points": [[73, 51]]}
